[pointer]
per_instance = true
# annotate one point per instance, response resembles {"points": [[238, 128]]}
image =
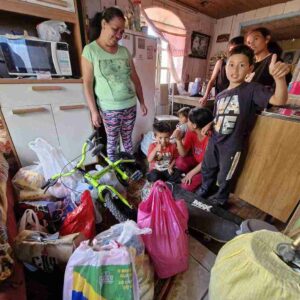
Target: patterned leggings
{"points": [[116, 123]]}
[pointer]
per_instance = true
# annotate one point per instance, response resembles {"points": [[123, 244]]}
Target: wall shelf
{"points": [[26, 8], [37, 81]]}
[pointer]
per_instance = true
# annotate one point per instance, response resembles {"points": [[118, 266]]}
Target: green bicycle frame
{"points": [[93, 178]]}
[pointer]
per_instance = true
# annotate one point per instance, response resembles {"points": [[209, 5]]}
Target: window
{"points": [[163, 72]]}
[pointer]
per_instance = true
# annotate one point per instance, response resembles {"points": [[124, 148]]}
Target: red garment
{"points": [[191, 141], [163, 159]]}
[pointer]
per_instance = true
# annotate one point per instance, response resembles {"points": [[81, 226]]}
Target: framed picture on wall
{"points": [[199, 45]]}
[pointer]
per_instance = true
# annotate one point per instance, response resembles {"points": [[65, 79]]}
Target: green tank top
{"points": [[113, 85]]}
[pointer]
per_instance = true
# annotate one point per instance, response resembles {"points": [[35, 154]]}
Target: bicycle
{"points": [[125, 168]]}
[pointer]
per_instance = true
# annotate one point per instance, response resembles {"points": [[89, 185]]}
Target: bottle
{"points": [[203, 89]]}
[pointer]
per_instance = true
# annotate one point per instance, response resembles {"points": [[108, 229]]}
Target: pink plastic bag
{"points": [[168, 243]]}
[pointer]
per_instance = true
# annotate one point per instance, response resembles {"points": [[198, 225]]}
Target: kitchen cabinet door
{"points": [[25, 124], [73, 124]]}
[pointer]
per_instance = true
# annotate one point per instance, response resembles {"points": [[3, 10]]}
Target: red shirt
{"points": [[163, 159], [192, 142]]}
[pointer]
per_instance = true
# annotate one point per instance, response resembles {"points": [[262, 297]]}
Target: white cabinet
{"points": [[73, 126], [67, 5], [57, 113], [26, 123]]}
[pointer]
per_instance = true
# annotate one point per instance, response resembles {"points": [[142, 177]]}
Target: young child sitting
{"points": [[235, 110], [182, 126], [194, 143], [162, 155]]}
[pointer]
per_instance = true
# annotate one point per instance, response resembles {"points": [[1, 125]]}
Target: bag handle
{"points": [[161, 186], [30, 218]]}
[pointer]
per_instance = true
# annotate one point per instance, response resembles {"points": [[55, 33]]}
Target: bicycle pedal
{"points": [[137, 175]]}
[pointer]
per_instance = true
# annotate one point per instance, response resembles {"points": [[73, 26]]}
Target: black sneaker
{"points": [[217, 201]]}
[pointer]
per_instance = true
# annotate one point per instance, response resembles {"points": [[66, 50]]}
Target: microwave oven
{"points": [[27, 57]]}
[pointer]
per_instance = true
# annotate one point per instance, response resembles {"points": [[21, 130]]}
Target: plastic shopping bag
{"points": [[81, 219], [129, 234], [54, 162], [168, 243], [126, 233], [30, 221], [100, 273], [29, 178]]}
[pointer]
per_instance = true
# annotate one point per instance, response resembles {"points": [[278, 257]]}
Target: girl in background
{"points": [[260, 41]]}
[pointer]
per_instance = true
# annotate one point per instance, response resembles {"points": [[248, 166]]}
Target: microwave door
{"points": [[55, 58], [61, 59]]}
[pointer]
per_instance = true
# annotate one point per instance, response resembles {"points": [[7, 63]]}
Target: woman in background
{"points": [[260, 41], [218, 77], [109, 73]]}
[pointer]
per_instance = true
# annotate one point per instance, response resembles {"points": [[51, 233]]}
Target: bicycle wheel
{"points": [[129, 168], [118, 209]]}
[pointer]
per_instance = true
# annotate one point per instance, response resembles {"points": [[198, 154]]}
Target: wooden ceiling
{"points": [[283, 29], [224, 8]]}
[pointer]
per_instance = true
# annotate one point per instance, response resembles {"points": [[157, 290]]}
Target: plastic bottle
{"points": [[203, 88]]}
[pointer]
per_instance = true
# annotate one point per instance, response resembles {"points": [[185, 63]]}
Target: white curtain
{"points": [[175, 43]]}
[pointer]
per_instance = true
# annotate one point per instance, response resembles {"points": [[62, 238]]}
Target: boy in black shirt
{"points": [[234, 114]]}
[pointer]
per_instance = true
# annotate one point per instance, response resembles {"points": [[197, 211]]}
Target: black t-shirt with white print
{"points": [[235, 110]]}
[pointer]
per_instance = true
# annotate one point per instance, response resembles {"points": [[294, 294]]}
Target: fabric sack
{"points": [[43, 250]]}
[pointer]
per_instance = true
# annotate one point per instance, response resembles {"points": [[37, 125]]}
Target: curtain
{"points": [[176, 45]]}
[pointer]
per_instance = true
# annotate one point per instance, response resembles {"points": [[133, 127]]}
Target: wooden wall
{"points": [[232, 24], [192, 67]]}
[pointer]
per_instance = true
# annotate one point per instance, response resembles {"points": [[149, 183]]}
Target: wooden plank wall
{"points": [[232, 24]]}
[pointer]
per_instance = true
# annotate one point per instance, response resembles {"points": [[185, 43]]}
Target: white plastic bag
{"points": [[129, 234], [126, 233], [53, 162], [29, 178], [146, 141], [110, 178], [30, 221], [105, 272], [51, 30]]}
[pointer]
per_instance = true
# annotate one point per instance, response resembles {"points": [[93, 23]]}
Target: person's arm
{"points": [[278, 70], [187, 179], [211, 82], [88, 85], [181, 149], [138, 88], [171, 166], [152, 153]]}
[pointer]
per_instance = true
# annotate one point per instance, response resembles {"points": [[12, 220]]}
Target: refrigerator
{"points": [[144, 52]]}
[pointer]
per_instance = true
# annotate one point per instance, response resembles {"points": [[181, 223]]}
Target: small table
{"points": [[187, 100]]}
